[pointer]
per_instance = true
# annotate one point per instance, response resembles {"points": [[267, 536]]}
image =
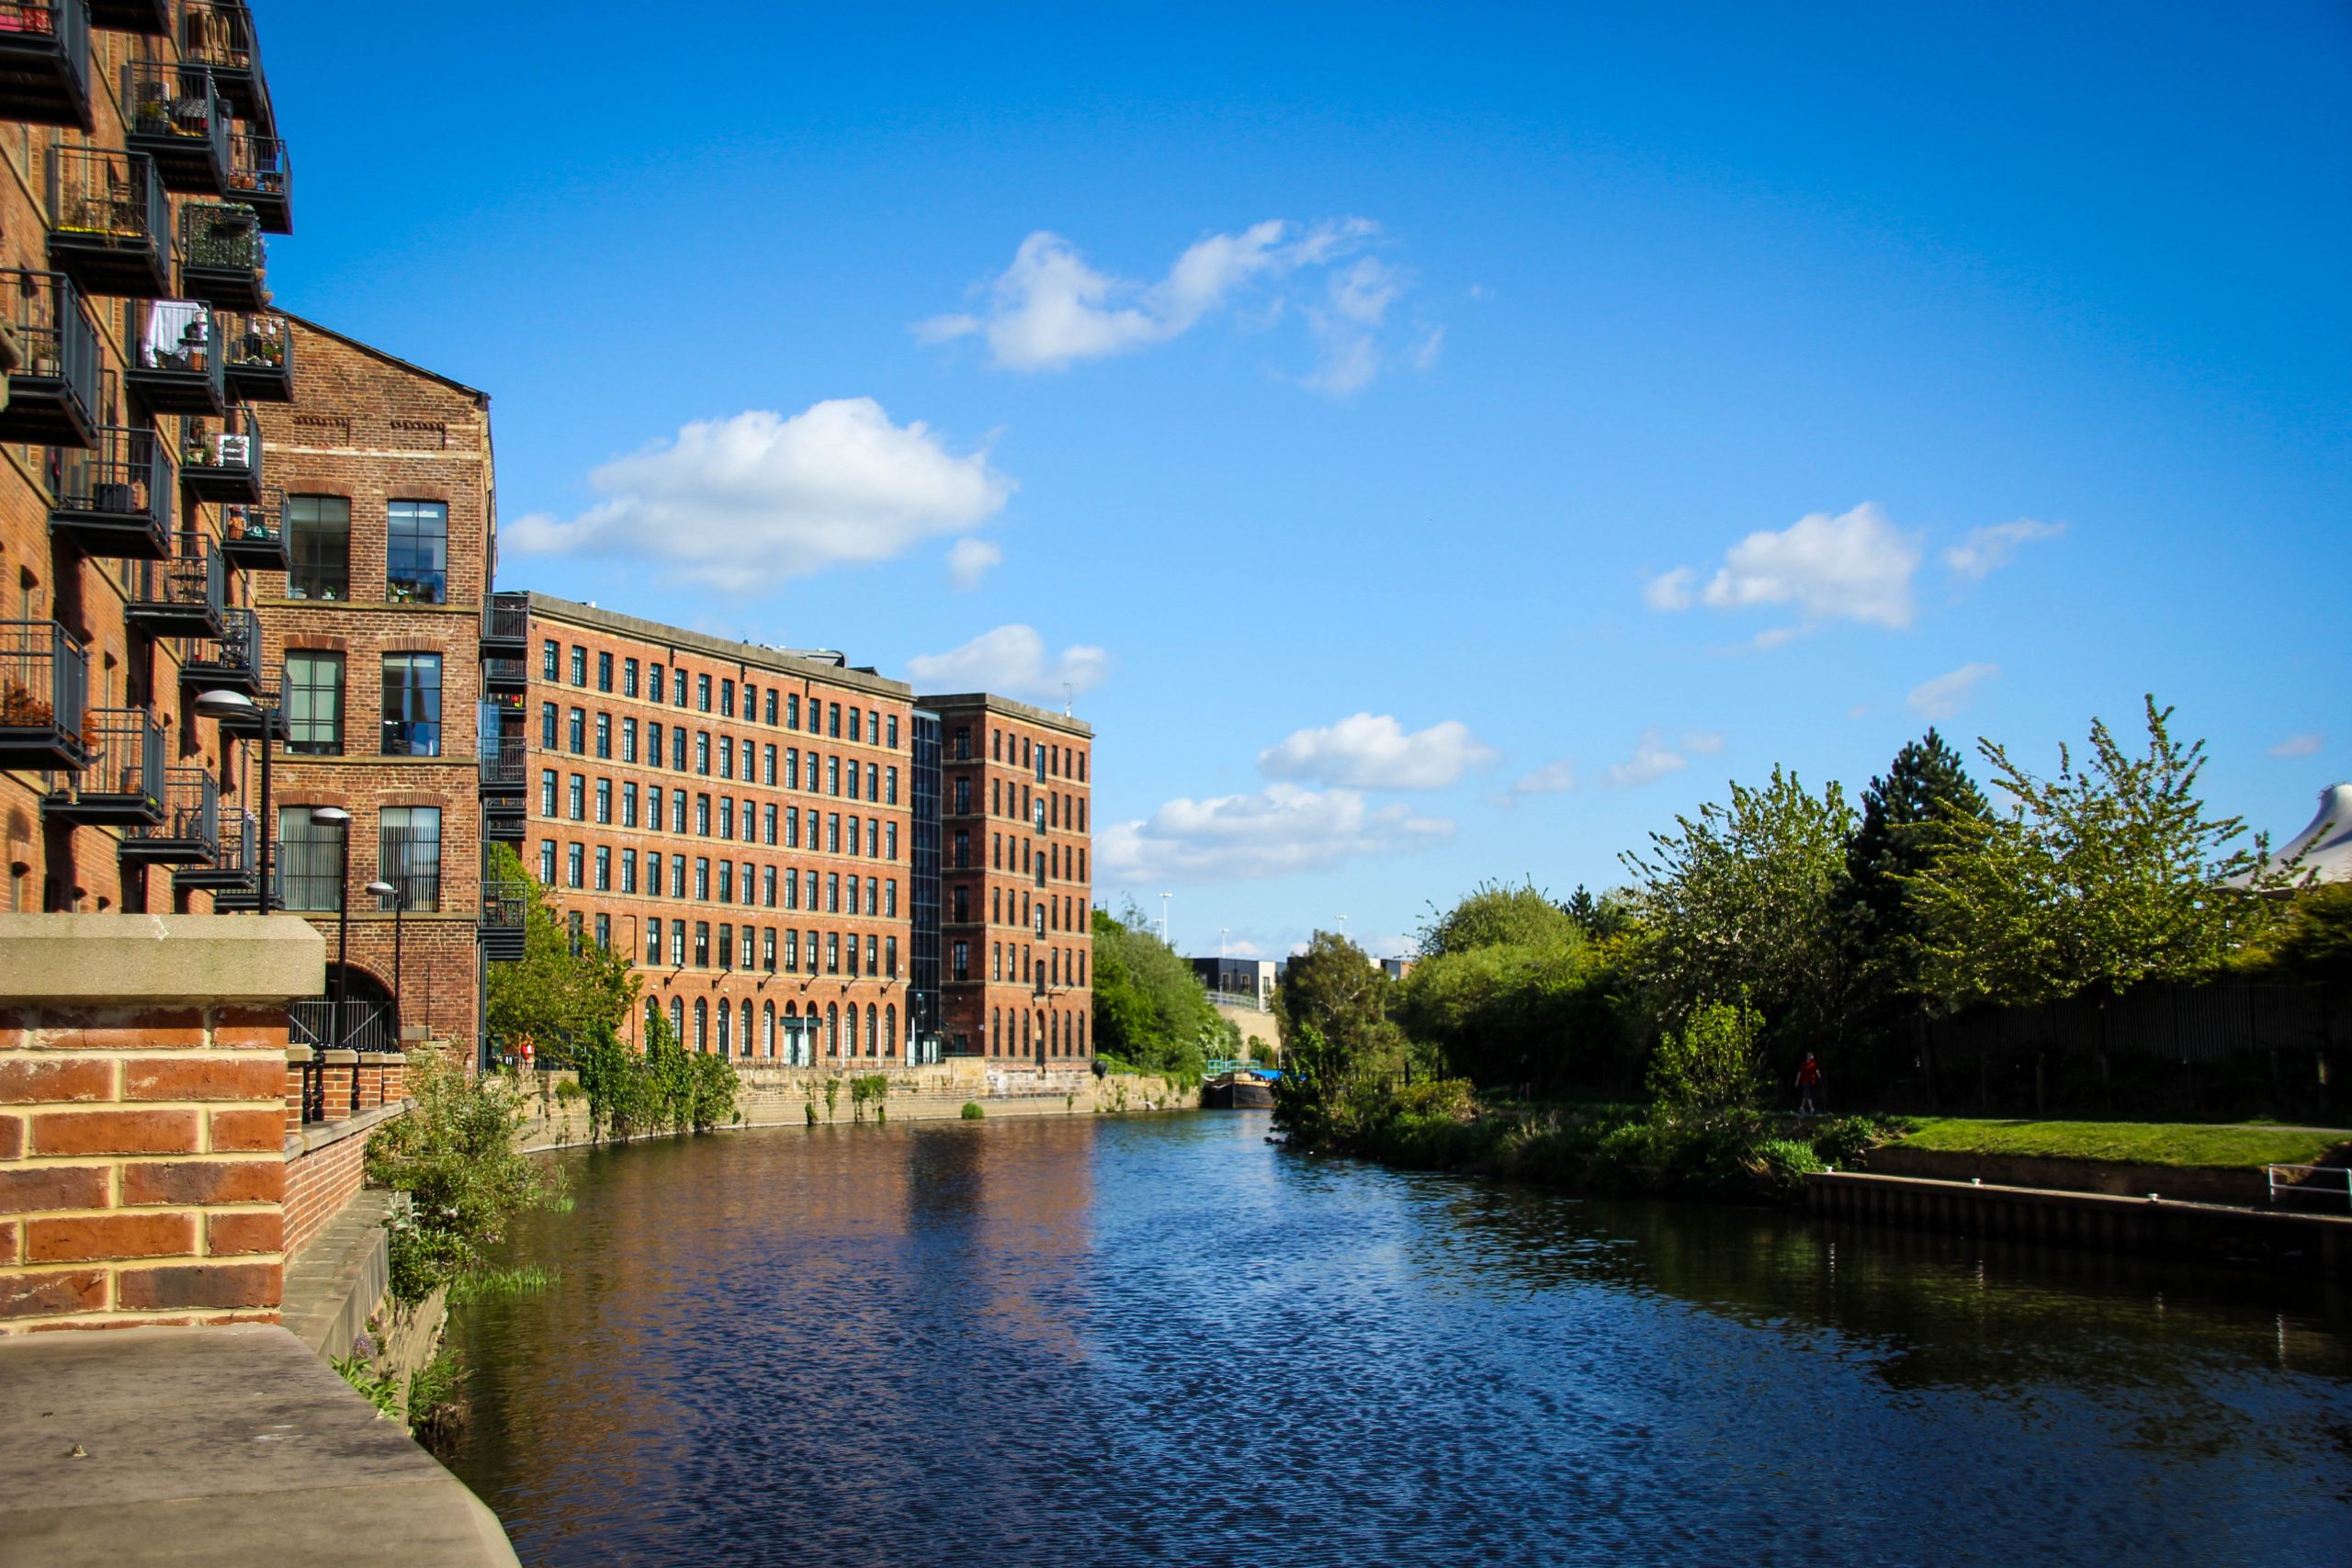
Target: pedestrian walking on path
{"points": [[1809, 1086]]}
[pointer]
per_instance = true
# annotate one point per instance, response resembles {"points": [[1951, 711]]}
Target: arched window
{"points": [[1054, 1026], [726, 1027], [848, 1042], [702, 1023], [677, 1021], [891, 1029], [1081, 1034], [996, 1031], [1041, 1037], [767, 1028], [1025, 1035], [653, 1018], [793, 1041], [873, 1035], [745, 1034], [832, 1030]]}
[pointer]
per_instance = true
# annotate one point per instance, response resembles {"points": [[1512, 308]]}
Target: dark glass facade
{"points": [[922, 989]]}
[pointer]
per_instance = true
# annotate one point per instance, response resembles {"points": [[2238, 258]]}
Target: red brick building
{"points": [[738, 818], [384, 489], [1016, 881]]}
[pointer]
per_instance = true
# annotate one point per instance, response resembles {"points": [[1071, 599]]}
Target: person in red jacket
{"points": [[1808, 1086]]}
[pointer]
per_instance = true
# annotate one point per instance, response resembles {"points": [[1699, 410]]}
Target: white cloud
{"points": [[1856, 566], [1050, 308], [1286, 828], [1010, 661], [968, 560], [2303, 745], [1655, 754], [1944, 696], [1987, 549], [1551, 778], [752, 501], [1425, 354], [1365, 752]]}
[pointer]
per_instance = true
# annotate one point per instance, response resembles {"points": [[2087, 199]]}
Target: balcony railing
{"points": [[505, 672], [221, 256], [229, 662], [259, 349], [366, 1026], [44, 679], [113, 500], [45, 62], [121, 780], [185, 594], [177, 365], [234, 860], [172, 113], [252, 534], [189, 833], [221, 459], [506, 623], [219, 35], [262, 176], [110, 223], [506, 911], [53, 346], [505, 763]]}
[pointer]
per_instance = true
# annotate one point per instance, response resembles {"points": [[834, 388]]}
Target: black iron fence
{"points": [[366, 1026]]}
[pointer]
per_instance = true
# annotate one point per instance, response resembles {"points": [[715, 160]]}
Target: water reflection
{"points": [[1161, 1341]]}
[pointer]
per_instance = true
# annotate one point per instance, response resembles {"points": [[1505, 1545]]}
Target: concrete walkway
{"points": [[215, 1446]]}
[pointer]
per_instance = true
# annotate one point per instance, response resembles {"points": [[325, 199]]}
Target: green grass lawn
{"points": [[2137, 1142]]}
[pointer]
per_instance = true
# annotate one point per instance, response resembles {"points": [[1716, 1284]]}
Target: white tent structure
{"points": [[2326, 844]]}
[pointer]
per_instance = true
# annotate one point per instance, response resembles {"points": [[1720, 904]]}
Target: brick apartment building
{"points": [[1015, 882], [139, 166], [383, 487], [740, 819]]}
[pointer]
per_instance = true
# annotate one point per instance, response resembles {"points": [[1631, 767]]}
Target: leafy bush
{"points": [[454, 1154], [1846, 1140], [871, 1089], [668, 1089], [1454, 1099], [1711, 1063], [972, 1111], [569, 1090], [1785, 1163]]}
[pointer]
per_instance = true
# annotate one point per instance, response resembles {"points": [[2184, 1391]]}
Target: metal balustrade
{"points": [[52, 354], [45, 62], [221, 255], [120, 781], [44, 680], [183, 595], [228, 663], [190, 831], [258, 348], [175, 364], [262, 176], [221, 459], [113, 499], [110, 223], [172, 113]]}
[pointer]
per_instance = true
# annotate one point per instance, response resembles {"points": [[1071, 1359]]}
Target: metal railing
{"points": [[123, 748], [221, 237], [506, 617], [192, 583], [176, 336], [126, 475], [505, 905], [259, 169], [235, 855], [44, 680], [506, 669], [191, 815], [2329, 1185], [231, 658], [168, 108], [218, 33], [56, 338], [48, 31], [366, 1026], [262, 521], [256, 343], [109, 198], [230, 444], [506, 761]]}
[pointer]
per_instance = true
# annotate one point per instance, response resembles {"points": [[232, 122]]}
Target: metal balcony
{"points": [[261, 176], [153, 17], [235, 857], [45, 62], [221, 256], [172, 114], [505, 672], [506, 911], [221, 459], [176, 364], [229, 662], [52, 347], [252, 534], [507, 623], [189, 833], [113, 500], [259, 350], [44, 678], [185, 595], [109, 223], [220, 35], [120, 781]]}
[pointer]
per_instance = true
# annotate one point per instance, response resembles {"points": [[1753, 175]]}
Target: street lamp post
{"points": [[337, 817], [382, 889], [1163, 921], [223, 705]]}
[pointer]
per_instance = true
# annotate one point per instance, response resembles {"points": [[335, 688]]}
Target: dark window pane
{"points": [[411, 705], [318, 540], [416, 552]]}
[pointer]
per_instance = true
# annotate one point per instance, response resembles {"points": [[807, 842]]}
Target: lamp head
{"points": [[223, 704], [330, 816], [382, 891]]}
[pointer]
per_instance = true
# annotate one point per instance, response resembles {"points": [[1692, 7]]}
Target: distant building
{"points": [[1252, 979], [1397, 968]]}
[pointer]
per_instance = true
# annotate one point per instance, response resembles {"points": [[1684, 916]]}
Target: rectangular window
{"points": [[832, 776], [851, 825], [748, 959], [890, 841], [546, 862], [578, 665], [962, 744], [748, 774], [792, 767], [726, 947], [832, 893], [852, 954], [315, 704], [726, 699], [702, 879], [702, 944], [575, 865], [852, 724], [677, 811], [792, 949], [678, 748], [411, 705], [727, 881], [677, 876], [890, 956], [577, 797], [832, 952], [677, 945], [871, 941], [727, 761], [653, 683], [702, 816], [604, 736], [767, 950], [654, 797], [652, 875], [727, 815], [771, 706], [791, 889], [702, 752], [318, 543], [416, 552], [963, 851], [833, 832], [811, 885], [604, 671], [576, 732], [889, 786], [963, 961], [311, 859], [629, 870], [603, 869], [547, 727], [628, 805], [890, 899], [652, 743], [628, 740], [628, 677], [768, 769], [767, 886], [604, 930], [873, 781], [547, 792], [550, 659], [653, 941], [792, 827], [605, 802], [702, 693], [852, 778], [767, 823], [963, 796]]}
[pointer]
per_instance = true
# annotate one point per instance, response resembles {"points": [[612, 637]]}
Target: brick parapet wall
{"points": [[141, 1165]]}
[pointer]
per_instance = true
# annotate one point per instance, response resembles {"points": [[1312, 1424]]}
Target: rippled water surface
{"points": [[1159, 1340]]}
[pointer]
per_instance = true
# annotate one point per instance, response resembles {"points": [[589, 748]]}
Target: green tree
{"points": [[2310, 943], [1334, 989], [1494, 915], [552, 994], [1712, 1063], [1909, 818], [455, 1155], [1509, 992], [2102, 877], [1150, 1013], [1735, 903]]}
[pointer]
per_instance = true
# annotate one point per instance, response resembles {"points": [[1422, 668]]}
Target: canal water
{"points": [[1161, 1340]]}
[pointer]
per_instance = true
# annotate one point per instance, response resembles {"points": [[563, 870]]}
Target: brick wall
{"points": [[141, 1165], [320, 1179]]}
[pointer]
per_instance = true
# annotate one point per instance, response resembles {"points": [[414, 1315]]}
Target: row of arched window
{"points": [[1014, 1031], [787, 1036]]}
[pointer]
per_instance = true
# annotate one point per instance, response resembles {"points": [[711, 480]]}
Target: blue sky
{"points": [[1435, 444]]}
